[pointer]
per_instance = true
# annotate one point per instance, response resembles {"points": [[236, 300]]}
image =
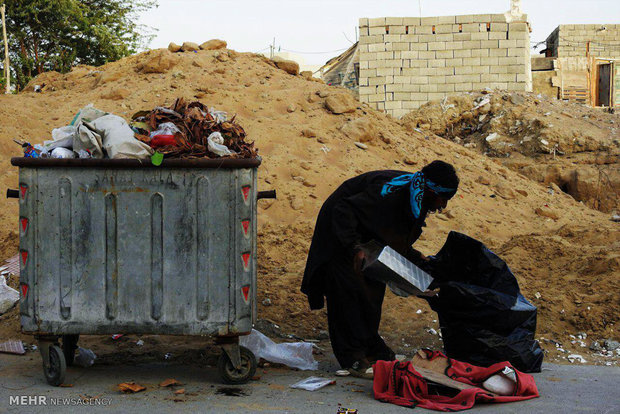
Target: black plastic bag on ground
{"points": [[484, 318]]}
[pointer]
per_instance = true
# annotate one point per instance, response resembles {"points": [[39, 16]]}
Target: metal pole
{"points": [[6, 52], [420, 6]]}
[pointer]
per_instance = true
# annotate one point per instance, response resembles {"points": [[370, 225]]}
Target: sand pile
{"points": [[312, 137], [570, 145]]}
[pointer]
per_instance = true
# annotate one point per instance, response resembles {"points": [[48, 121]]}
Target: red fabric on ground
{"points": [[399, 383]]}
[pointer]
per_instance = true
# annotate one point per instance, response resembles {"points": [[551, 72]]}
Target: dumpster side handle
{"points": [[10, 193], [266, 194]]}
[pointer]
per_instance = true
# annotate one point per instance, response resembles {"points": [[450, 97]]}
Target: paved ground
{"points": [[574, 389]]}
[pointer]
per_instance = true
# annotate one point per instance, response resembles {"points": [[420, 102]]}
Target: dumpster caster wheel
{"points": [[55, 372], [69, 346], [246, 371]]}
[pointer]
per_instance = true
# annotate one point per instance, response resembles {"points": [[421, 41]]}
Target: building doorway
{"points": [[604, 85]]}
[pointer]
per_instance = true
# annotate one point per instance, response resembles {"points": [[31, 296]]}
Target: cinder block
{"points": [[362, 48], [435, 96], [418, 80], [419, 96], [436, 46], [385, 55], [480, 36], [393, 105], [498, 18], [437, 63], [518, 52], [461, 36], [518, 27], [464, 53], [481, 69], [419, 46], [519, 36], [401, 46], [490, 61], [507, 77], [368, 56], [364, 31], [472, 61], [422, 30], [427, 54], [463, 87], [489, 77], [511, 60], [446, 37], [444, 54], [377, 47], [364, 64], [498, 85], [498, 52], [368, 73], [463, 70], [499, 27], [409, 38], [371, 39], [524, 77], [498, 35], [373, 64], [454, 62], [457, 45], [468, 18], [475, 53], [397, 29], [411, 105], [482, 18], [411, 54], [411, 71], [378, 97], [391, 38], [499, 69], [394, 21], [438, 20], [472, 44], [420, 63], [471, 28], [411, 21], [439, 79], [507, 44], [489, 44], [378, 30], [375, 22], [382, 72], [376, 80], [363, 22], [448, 87], [432, 87]]}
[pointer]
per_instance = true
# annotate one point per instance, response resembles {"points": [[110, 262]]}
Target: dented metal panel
{"points": [[140, 250]]}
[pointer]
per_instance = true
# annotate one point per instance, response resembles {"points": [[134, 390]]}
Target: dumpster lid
{"points": [[230, 163]]}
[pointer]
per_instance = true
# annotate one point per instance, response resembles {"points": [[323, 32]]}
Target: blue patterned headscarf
{"points": [[417, 183]]}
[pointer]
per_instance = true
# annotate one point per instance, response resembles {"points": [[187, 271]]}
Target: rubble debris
{"points": [[169, 383], [173, 47], [289, 66], [130, 387], [213, 44]]}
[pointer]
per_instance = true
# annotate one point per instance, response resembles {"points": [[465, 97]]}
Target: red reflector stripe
{"points": [[23, 189], [246, 292], [246, 226], [24, 223], [24, 290], [246, 259], [24, 257], [246, 192]]}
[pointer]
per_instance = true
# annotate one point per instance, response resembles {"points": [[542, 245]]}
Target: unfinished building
{"points": [[406, 61], [582, 64]]}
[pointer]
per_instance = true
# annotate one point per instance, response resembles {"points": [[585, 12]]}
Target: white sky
{"points": [[318, 25]]}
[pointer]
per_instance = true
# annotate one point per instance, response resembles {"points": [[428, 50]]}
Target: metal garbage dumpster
{"points": [[121, 246]]}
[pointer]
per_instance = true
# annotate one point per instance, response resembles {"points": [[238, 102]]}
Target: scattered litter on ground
{"points": [[313, 383], [85, 357], [169, 383], [12, 347], [296, 355], [8, 296], [130, 387]]}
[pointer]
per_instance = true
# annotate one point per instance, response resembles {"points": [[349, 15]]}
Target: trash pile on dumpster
{"points": [[184, 130]]}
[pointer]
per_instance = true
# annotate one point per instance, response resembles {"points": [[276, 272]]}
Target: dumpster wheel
{"points": [[55, 372], [246, 371]]}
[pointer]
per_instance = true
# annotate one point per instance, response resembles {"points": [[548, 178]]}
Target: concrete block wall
{"points": [[408, 61], [570, 40]]}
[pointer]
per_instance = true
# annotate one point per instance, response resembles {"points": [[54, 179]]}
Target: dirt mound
{"points": [[571, 145], [307, 152]]}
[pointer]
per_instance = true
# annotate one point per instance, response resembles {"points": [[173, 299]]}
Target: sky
{"points": [[318, 30]]}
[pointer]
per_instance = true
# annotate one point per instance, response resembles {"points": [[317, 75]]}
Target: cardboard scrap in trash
{"points": [[11, 266], [169, 382], [12, 347], [130, 387]]}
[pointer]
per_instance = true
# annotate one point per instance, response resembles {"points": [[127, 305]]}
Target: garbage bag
{"points": [[118, 138], [88, 139], [295, 355], [8, 296], [484, 318]]}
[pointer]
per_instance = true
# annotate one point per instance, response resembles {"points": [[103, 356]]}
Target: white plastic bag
{"points": [[61, 152], [503, 383], [88, 139], [85, 357], [295, 355], [61, 137], [118, 138], [8, 296], [167, 128], [219, 116], [215, 144], [87, 114], [313, 383]]}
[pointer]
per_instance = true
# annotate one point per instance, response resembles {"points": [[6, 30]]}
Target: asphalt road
{"points": [[563, 389]]}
